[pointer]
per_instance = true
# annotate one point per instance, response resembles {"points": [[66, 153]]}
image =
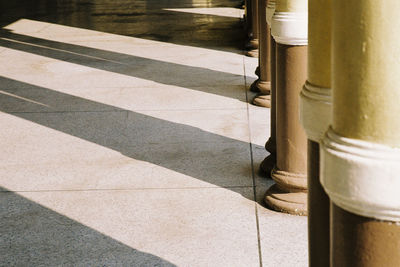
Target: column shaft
{"points": [[248, 17], [318, 212], [290, 192], [270, 161], [264, 34], [253, 42], [263, 84], [315, 108], [359, 241]]}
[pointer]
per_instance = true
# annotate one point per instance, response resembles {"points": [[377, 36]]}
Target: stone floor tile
{"points": [[216, 11], [283, 238], [27, 26], [150, 166], [125, 128], [250, 65], [43, 62], [118, 47], [38, 77], [258, 155], [194, 227], [259, 121], [18, 96], [129, 139], [114, 150]]}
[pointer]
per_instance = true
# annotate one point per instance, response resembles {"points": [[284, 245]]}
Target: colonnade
{"points": [[330, 72]]}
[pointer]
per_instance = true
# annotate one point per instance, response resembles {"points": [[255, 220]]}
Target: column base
{"points": [[264, 87], [294, 203], [267, 165], [251, 44], [290, 181], [252, 53], [262, 100]]}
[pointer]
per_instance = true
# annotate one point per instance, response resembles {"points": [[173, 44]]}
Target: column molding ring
{"points": [[361, 177], [270, 11], [290, 28]]}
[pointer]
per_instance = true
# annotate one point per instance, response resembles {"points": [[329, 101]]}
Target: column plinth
{"points": [[286, 200]]}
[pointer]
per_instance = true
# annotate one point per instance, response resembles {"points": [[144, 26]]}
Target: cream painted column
{"points": [[315, 109], [289, 29], [360, 153], [270, 161]]}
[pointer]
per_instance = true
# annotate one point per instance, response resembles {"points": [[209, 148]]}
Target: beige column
{"points": [[315, 109], [289, 28], [360, 153]]}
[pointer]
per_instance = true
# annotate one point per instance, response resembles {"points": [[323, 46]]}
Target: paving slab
{"points": [[81, 150], [118, 47], [283, 238], [128, 139], [37, 76], [198, 227]]}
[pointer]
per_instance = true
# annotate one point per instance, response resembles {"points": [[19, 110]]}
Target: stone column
{"points": [[263, 84], [248, 16], [360, 153], [252, 45], [289, 28], [315, 109], [269, 162]]}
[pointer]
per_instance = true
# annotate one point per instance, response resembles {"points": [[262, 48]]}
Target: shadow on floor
{"points": [[196, 78], [209, 157], [140, 18], [32, 235]]}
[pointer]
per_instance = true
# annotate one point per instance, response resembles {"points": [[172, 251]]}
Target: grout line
{"points": [[252, 170], [122, 190]]}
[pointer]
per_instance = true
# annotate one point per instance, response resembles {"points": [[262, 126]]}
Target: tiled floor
{"points": [[127, 139]]}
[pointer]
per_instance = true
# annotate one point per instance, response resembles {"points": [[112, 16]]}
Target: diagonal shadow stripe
{"points": [[196, 78], [32, 235], [134, 135]]}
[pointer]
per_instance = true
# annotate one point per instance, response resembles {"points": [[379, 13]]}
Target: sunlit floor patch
{"points": [[86, 41], [127, 139], [215, 11]]}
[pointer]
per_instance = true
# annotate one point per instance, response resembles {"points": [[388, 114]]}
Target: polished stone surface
{"points": [[127, 138]]}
